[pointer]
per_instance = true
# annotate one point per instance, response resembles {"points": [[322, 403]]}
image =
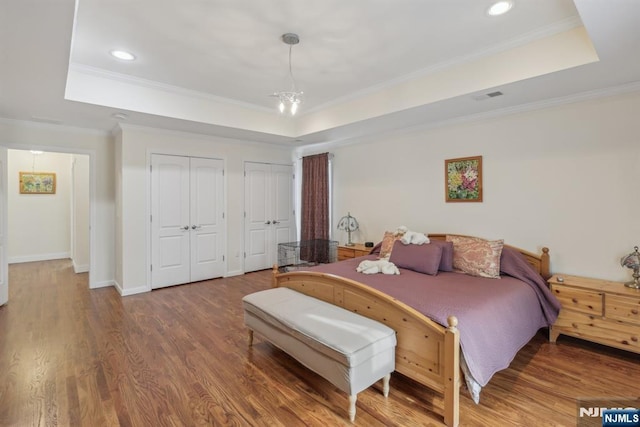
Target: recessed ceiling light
{"points": [[499, 8], [123, 54], [120, 116]]}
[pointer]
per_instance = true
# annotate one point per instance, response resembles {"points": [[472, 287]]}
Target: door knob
{"points": [[268, 222], [276, 222], [196, 227], [186, 227]]}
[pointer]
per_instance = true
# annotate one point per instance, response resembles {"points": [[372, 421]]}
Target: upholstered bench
{"points": [[350, 351]]}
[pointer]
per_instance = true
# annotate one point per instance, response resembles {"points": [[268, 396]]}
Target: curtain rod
{"points": [[330, 156]]}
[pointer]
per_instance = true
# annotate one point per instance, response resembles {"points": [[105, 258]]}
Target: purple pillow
{"points": [[421, 258], [446, 262]]}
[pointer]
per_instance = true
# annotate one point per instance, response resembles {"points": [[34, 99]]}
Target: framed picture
{"points": [[463, 179], [37, 183]]}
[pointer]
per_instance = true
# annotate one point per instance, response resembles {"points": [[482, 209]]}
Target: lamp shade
{"points": [[348, 224], [632, 261]]}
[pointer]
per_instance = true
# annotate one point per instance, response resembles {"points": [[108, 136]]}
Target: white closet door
{"points": [[257, 205], [283, 220], [269, 216], [170, 225], [4, 267], [207, 219]]}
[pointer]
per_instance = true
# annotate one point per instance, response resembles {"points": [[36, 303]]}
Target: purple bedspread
{"points": [[496, 317]]}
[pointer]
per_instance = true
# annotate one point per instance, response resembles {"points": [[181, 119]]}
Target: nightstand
{"points": [[597, 310], [348, 252]]}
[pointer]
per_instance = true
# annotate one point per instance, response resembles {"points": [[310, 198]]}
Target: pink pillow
{"points": [[421, 258], [477, 257], [387, 244]]}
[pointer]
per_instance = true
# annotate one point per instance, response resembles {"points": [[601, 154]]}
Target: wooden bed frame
{"points": [[427, 352]]}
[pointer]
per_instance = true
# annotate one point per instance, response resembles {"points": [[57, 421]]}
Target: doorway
{"points": [[49, 217]]}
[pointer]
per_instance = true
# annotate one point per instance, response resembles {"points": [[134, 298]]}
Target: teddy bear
{"points": [[383, 266], [411, 237]]}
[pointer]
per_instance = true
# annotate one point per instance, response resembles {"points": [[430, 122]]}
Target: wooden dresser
{"points": [[347, 252], [597, 310]]}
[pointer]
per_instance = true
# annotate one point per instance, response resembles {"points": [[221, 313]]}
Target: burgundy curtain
{"points": [[314, 236]]}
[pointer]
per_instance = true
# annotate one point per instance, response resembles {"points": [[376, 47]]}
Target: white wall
{"points": [[80, 205], [562, 177], [38, 223], [99, 146], [134, 147]]}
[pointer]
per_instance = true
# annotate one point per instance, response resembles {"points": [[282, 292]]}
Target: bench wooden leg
{"points": [[250, 338], [352, 407], [385, 385]]}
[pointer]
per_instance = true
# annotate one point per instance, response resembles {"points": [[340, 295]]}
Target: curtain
{"points": [[314, 235]]}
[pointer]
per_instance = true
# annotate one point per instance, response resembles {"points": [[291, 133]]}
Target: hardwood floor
{"points": [[70, 356]]}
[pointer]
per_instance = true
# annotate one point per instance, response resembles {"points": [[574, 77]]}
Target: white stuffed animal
{"points": [[411, 237], [383, 266]]}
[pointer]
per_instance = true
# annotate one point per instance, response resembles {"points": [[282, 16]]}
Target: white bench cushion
{"points": [[342, 335]]}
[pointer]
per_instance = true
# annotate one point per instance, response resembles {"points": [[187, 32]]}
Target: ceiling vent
{"points": [[489, 95]]}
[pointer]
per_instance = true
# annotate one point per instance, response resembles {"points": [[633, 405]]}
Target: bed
{"points": [[435, 316]]}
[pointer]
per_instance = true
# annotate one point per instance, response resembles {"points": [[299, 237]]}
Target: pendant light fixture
{"points": [[290, 100]]}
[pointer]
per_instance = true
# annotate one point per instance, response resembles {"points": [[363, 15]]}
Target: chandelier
{"points": [[289, 100]]}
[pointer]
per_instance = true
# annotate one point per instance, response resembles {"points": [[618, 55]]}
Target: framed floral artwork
{"points": [[37, 183], [463, 179]]}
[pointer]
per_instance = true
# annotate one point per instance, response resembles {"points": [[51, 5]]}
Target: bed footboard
{"points": [[426, 352]]}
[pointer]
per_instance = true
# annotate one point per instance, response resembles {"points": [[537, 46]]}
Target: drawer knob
{"points": [[574, 300], [634, 311]]}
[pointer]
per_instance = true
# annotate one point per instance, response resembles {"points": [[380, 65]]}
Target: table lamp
{"points": [[349, 224], [632, 261]]}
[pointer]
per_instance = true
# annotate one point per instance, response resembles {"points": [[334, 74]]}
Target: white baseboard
{"points": [[104, 284], [39, 257], [132, 291], [234, 273], [117, 286], [80, 268]]}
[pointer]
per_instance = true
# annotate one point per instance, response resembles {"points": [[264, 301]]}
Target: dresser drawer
{"points": [[345, 253], [622, 308], [361, 252], [348, 252], [589, 302], [597, 329]]}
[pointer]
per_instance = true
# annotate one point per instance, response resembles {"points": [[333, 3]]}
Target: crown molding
{"points": [[628, 88], [54, 127], [152, 84], [123, 127], [532, 36]]}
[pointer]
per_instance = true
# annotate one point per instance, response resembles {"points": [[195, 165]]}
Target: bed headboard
{"points": [[539, 262]]}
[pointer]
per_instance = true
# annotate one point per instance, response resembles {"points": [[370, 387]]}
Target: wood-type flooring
{"points": [[178, 356]]}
